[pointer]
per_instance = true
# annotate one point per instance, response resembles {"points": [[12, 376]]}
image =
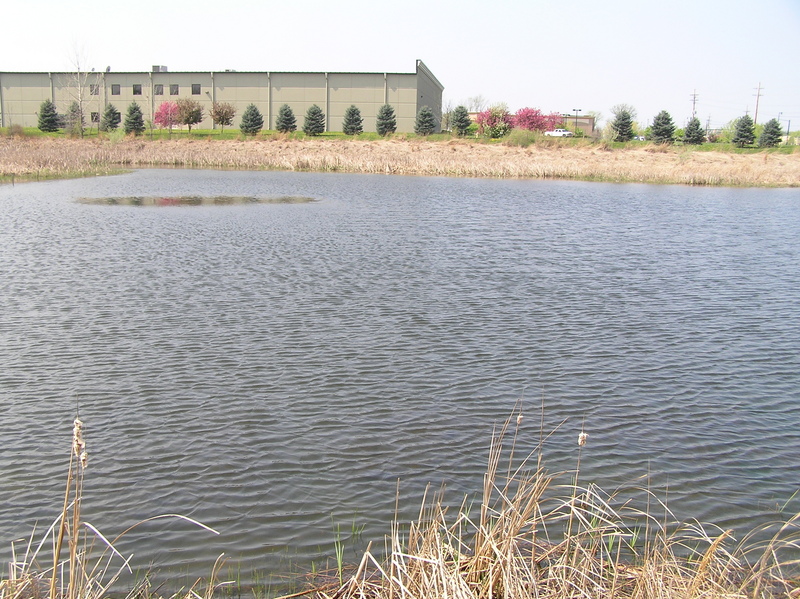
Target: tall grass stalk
{"points": [[535, 538], [92, 564]]}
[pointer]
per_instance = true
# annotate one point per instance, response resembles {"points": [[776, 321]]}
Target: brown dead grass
{"points": [[53, 157]]}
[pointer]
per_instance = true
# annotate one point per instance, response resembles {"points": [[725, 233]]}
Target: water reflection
{"points": [[194, 200]]}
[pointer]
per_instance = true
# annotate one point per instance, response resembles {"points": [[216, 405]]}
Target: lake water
{"points": [[272, 369]]}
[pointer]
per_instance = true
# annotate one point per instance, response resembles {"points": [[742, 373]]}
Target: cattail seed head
{"points": [[78, 444], [582, 438]]}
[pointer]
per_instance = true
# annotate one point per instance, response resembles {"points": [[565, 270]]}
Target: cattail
{"points": [[519, 419], [78, 444], [582, 438]]}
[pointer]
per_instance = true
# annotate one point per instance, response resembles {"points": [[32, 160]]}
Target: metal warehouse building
{"points": [[21, 94]]}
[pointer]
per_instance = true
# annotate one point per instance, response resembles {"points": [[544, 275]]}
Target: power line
{"points": [[757, 95], [694, 103]]}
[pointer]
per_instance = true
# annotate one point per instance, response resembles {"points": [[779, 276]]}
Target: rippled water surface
{"points": [[272, 368]]}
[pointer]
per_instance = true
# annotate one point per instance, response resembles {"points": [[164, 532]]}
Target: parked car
{"points": [[559, 133]]}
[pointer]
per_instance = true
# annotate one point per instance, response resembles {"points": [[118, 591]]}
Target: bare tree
{"points": [[476, 103]]}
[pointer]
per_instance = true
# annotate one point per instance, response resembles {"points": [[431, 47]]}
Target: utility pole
{"points": [[758, 95], [694, 103]]}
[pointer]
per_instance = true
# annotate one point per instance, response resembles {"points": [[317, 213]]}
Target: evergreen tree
{"points": [[286, 121], [252, 121], [460, 121], [190, 112], [74, 119], [353, 124], [111, 118], [744, 131], [134, 120], [48, 117], [623, 126], [694, 133], [315, 121], [772, 135], [663, 130], [386, 122], [425, 123]]}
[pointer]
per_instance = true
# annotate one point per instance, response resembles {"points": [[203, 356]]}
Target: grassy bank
{"points": [[524, 535], [33, 158]]}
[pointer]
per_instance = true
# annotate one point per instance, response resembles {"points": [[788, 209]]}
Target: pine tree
{"points": [[111, 118], [134, 121], [353, 124], [694, 133], [48, 117], [460, 121], [744, 131], [252, 121], [623, 126], [663, 130], [286, 121], [772, 135], [386, 122], [315, 121], [74, 119], [425, 123]]}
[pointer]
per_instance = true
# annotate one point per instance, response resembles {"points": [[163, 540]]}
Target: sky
{"points": [[557, 56]]}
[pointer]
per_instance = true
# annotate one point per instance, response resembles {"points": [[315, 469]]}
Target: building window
{"points": [[174, 89], [115, 89], [195, 89], [95, 117], [158, 89], [137, 89], [94, 89]]}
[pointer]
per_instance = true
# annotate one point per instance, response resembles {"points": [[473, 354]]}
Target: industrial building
{"points": [[21, 94]]}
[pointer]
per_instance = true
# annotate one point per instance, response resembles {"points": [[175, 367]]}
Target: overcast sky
{"points": [[547, 54]]}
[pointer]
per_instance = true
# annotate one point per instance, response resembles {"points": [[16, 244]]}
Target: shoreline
{"points": [[27, 159]]}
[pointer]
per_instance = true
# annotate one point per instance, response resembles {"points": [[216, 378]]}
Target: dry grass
{"points": [[529, 539], [48, 157]]}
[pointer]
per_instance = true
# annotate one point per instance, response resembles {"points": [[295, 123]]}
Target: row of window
{"points": [[158, 89]]}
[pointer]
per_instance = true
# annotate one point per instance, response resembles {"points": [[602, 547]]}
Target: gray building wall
{"points": [[21, 94]]}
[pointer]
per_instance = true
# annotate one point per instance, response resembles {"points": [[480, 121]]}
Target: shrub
{"points": [[494, 122], [252, 121], [75, 121], [534, 119]]}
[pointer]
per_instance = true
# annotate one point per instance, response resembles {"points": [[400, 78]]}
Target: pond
{"points": [[274, 364]]}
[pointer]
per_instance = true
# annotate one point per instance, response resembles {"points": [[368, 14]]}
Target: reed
{"points": [[534, 538], [92, 565], [42, 157]]}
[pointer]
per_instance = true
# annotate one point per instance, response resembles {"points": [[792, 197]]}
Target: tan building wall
{"points": [[21, 94]]}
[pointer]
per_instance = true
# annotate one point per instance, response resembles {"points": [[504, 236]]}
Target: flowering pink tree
{"points": [[494, 122], [166, 115], [534, 119]]}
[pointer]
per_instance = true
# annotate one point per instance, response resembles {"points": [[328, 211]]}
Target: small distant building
{"points": [[21, 94], [581, 122]]}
